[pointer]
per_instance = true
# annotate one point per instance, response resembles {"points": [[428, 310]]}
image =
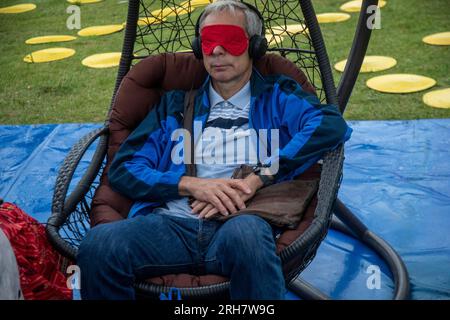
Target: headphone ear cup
{"points": [[257, 47], [197, 48]]}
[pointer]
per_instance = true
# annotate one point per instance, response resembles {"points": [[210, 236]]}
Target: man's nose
{"points": [[218, 50]]}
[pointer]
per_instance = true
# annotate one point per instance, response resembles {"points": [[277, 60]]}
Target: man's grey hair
{"points": [[253, 23]]}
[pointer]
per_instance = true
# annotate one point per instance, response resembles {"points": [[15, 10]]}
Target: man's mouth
{"points": [[219, 66]]}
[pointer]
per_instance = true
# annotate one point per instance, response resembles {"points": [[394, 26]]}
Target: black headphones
{"points": [[257, 46]]}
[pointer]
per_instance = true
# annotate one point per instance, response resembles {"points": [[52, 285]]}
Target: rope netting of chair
{"points": [[169, 26], [78, 222]]}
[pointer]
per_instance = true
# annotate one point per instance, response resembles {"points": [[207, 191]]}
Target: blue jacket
{"points": [[143, 170]]}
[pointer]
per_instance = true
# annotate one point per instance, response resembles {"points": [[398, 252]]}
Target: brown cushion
{"points": [[139, 91]]}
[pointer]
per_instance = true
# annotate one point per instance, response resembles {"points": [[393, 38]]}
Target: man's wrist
{"points": [[254, 181], [184, 186], [266, 180]]}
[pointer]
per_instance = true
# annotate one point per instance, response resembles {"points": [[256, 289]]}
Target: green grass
{"points": [[60, 91], [66, 91], [403, 25]]}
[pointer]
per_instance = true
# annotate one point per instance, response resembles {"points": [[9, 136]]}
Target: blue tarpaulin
{"points": [[396, 180]]}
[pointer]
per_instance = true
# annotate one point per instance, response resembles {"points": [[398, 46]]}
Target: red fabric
{"points": [[39, 263], [231, 37]]}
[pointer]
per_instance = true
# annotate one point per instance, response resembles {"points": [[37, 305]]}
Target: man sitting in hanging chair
{"points": [[166, 233]]}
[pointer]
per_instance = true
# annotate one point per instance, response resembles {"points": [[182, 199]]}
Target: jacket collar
{"points": [[258, 83]]}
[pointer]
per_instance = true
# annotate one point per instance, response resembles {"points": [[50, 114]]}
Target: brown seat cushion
{"points": [[139, 91]]}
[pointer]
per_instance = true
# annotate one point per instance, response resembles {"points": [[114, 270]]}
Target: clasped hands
{"points": [[223, 196]]}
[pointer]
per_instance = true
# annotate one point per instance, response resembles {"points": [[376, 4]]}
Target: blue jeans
{"points": [[114, 255]]}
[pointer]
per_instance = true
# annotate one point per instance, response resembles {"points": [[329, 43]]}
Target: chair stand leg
{"points": [[346, 222]]}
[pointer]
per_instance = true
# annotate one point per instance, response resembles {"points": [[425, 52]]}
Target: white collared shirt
{"points": [[224, 144], [233, 111]]}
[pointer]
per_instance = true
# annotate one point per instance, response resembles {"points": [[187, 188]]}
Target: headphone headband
{"points": [[250, 6]]}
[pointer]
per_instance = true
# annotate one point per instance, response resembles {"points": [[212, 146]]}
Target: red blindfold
{"points": [[231, 37]]}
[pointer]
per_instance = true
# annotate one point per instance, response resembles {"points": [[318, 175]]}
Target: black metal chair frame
{"points": [[69, 216]]}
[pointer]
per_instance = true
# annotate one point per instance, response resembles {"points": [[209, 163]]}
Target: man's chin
{"points": [[221, 76]]}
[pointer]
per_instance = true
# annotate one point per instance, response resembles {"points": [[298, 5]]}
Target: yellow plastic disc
{"points": [[49, 39], [18, 8], [438, 98], [290, 29], [438, 39], [147, 21], [171, 12], [83, 1], [102, 60], [274, 39], [47, 55], [370, 64], [355, 6], [100, 30], [400, 83], [195, 3], [332, 17]]}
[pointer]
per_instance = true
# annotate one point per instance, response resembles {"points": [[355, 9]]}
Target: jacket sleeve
{"points": [[134, 170], [313, 129]]}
